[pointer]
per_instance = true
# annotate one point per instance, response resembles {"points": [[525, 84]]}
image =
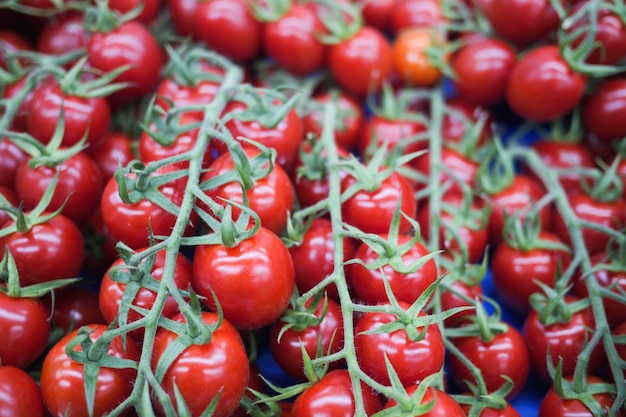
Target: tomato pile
{"points": [[413, 207]]}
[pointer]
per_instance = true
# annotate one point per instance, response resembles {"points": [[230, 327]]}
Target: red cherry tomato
{"points": [[115, 150], [458, 168], [377, 13], [443, 404], [361, 63], [460, 121], [171, 93], [202, 371], [25, 323], [333, 396], [20, 395], [523, 22], [11, 157], [541, 86], [457, 296], [407, 14], [63, 382], [64, 34], [253, 281], [11, 42], [604, 107], [413, 360], [74, 306], [379, 130]]}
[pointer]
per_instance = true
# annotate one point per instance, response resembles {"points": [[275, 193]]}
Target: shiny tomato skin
{"points": [[112, 292], [115, 150], [48, 251], [554, 406], [228, 27], [183, 15], [372, 211], [20, 395], [522, 22], [412, 360], [368, 285], [377, 13], [11, 157], [131, 44], [11, 42], [610, 214], [542, 87], [463, 169], [408, 14], [329, 334], [62, 379], [564, 340], [11, 197], [170, 93], [25, 323], [506, 354], [444, 405], [149, 9], [65, 34], [81, 116], [252, 281], [74, 306], [285, 137], [604, 107], [313, 257], [450, 299], [515, 269], [516, 199], [507, 411], [202, 370], [461, 118], [291, 41], [482, 71], [362, 62], [271, 197], [379, 130], [410, 60], [78, 188], [333, 396]]}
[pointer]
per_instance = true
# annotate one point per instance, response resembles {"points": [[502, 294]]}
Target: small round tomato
{"points": [[456, 168], [413, 360], [563, 341], [253, 281], [63, 382], [506, 354], [542, 87], [460, 121], [313, 257], [604, 107], [11, 197], [361, 63], [130, 44], [410, 59], [552, 405], [372, 210], [457, 296], [183, 15], [81, 115], [74, 306], [112, 290], [443, 404], [408, 14], [115, 150], [228, 27], [149, 9], [333, 396], [292, 40], [48, 251], [515, 269], [171, 93], [25, 326], [11, 157], [287, 347], [202, 371], [379, 130], [65, 34], [377, 13], [78, 189], [11, 42], [482, 70], [369, 285], [271, 197], [20, 395], [521, 21]]}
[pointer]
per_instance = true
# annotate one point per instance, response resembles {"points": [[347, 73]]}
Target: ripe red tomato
{"points": [[74, 306], [112, 291], [287, 347], [458, 168], [271, 197], [20, 395], [149, 9], [253, 281], [183, 15], [11, 157], [413, 360], [407, 14], [91, 116], [482, 70], [11, 42], [25, 324], [372, 210], [514, 270], [333, 396], [506, 354], [131, 44], [564, 341], [507, 411], [79, 186], [410, 60], [62, 379], [202, 371], [48, 251], [313, 257], [553, 405], [171, 93], [377, 13], [361, 63], [368, 285], [604, 107], [292, 40], [62, 35], [541, 86], [451, 298], [379, 130], [459, 123], [443, 404], [228, 27], [523, 22], [115, 150], [11, 197]]}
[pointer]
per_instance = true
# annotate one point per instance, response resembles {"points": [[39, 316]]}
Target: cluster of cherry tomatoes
{"points": [[186, 185]]}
